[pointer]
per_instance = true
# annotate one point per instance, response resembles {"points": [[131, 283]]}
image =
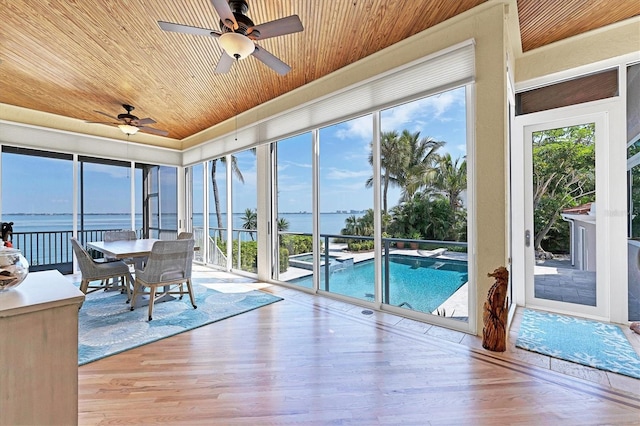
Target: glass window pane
{"points": [[40, 209], [564, 205], [105, 199], [218, 212], [295, 219], [197, 209], [588, 88], [346, 209], [168, 180], [245, 213], [633, 189], [424, 212]]}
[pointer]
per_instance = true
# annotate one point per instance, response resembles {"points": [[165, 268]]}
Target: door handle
{"points": [[527, 238]]}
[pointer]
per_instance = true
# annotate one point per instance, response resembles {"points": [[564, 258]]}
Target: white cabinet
{"points": [[39, 351]]}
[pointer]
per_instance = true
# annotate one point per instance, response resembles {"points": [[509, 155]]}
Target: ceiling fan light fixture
{"points": [[236, 45], [128, 129]]}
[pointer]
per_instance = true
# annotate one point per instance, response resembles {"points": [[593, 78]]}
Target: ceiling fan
{"points": [[238, 34], [130, 124]]}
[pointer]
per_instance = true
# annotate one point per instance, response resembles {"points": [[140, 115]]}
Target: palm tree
{"points": [[250, 221], [365, 223], [394, 154], [350, 226], [283, 224], [216, 194], [421, 166], [451, 179]]}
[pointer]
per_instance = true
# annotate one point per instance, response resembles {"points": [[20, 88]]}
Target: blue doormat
{"points": [[586, 342], [107, 326]]}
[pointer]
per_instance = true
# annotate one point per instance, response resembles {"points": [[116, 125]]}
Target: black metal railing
{"points": [[52, 249]]}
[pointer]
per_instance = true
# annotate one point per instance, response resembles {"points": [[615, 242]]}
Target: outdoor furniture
{"points": [[138, 249], [168, 266], [124, 248], [99, 271], [122, 235], [185, 236]]}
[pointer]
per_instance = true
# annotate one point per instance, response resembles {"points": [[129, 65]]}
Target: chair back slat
{"points": [[169, 260], [85, 262], [122, 235], [92, 271]]}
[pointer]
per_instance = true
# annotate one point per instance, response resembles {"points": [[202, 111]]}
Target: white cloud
{"points": [[347, 174], [299, 187], [112, 171], [358, 128], [285, 164], [422, 111]]}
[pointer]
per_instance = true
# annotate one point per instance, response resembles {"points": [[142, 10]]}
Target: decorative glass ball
{"points": [[13, 268]]}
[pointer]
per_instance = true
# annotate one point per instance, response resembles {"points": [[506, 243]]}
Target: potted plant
{"points": [[415, 236]]}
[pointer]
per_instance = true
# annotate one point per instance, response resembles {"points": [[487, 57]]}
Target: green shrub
{"points": [[284, 259], [249, 253], [360, 245], [297, 244]]}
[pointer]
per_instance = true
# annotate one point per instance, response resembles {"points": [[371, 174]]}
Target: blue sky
{"points": [[40, 185], [344, 153]]}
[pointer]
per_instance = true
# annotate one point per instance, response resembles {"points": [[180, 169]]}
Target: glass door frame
{"points": [[611, 270]]}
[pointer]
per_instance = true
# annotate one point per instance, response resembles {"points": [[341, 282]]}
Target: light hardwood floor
{"points": [[311, 360]]}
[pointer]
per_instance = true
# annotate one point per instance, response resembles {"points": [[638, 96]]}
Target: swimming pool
{"points": [[305, 261], [417, 283]]}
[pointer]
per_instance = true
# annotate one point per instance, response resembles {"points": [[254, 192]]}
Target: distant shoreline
{"points": [[127, 214]]}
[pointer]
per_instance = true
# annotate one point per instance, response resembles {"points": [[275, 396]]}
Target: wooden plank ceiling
{"points": [[73, 57]]}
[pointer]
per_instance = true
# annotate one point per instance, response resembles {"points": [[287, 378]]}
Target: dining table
{"points": [[138, 250], [124, 249]]}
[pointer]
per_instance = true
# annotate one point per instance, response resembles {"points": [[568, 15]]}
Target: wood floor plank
{"points": [[299, 362]]}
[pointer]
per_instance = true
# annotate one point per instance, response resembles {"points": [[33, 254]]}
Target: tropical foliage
{"points": [[403, 157], [563, 177], [214, 183], [250, 221], [362, 226], [431, 185]]}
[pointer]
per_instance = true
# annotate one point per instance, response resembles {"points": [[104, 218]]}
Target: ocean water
{"points": [[330, 223], [45, 249]]}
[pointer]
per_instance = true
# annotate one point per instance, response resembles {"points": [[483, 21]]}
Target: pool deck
{"points": [[455, 306]]}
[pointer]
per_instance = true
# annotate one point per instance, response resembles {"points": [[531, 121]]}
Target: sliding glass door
{"points": [[294, 219], [161, 206]]}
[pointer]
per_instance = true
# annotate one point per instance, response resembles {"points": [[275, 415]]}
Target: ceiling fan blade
{"points": [[153, 131], [102, 122], [186, 29], [282, 26], [271, 61], [108, 115], [225, 13], [144, 121], [224, 64]]}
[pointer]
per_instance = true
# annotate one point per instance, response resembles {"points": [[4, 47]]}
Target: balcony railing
{"points": [[52, 249]]}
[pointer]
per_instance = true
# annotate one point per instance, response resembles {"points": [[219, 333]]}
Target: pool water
{"points": [[305, 261], [417, 283]]}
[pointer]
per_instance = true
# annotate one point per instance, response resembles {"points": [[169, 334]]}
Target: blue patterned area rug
{"points": [[107, 326], [592, 343]]}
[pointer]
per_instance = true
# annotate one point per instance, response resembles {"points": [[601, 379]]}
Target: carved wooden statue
{"points": [[494, 332]]}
